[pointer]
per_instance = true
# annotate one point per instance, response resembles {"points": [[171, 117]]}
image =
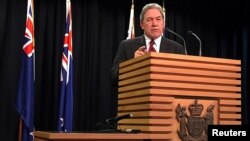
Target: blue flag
{"points": [[25, 95], [65, 117]]}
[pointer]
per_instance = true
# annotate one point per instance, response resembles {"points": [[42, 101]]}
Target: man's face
{"points": [[153, 23]]}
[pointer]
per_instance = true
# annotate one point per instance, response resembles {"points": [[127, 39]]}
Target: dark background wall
{"points": [[98, 27]]}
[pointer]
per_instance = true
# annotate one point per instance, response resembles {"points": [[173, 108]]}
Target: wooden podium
{"points": [[176, 95]]}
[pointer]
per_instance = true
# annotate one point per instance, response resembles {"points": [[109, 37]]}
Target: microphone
{"points": [[192, 33], [116, 119], [184, 43]]}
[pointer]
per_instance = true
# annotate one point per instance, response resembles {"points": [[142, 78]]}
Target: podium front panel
{"points": [[156, 87]]}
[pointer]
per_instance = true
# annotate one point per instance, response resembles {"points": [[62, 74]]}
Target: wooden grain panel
{"points": [[195, 93], [179, 85], [195, 65], [145, 107], [195, 72], [194, 86], [229, 109], [185, 78], [134, 61], [180, 57], [179, 92], [146, 99], [152, 114], [163, 136], [145, 77], [194, 58], [179, 71], [138, 65], [134, 86], [148, 128], [146, 121], [230, 122], [196, 79], [69, 136], [230, 102], [230, 116], [142, 92], [134, 73]]}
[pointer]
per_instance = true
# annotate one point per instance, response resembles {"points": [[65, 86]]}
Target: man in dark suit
{"points": [[152, 22]]}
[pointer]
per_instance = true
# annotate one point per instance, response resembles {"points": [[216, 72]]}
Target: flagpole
{"points": [[164, 10], [131, 32], [34, 47], [20, 131], [164, 15]]}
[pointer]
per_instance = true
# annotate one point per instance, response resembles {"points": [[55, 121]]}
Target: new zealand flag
{"points": [[65, 117]]}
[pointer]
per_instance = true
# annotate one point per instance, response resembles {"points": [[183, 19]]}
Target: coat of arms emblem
{"points": [[193, 127]]}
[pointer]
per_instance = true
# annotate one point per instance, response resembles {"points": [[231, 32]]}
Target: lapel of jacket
{"points": [[164, 47]]}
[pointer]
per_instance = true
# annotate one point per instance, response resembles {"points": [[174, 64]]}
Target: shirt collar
{"points": [[157, 43]]}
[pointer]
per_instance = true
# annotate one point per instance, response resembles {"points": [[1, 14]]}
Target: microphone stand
{"points": [[184, 43], [192, 33]]}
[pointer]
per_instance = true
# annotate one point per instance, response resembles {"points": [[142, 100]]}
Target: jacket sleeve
{"points": [[120, 57]]}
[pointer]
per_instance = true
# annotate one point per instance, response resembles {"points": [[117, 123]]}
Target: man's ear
{"points": [[141, 26]]}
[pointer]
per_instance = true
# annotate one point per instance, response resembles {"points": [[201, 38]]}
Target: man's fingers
{"points": [[141, 48], [140, 53]]}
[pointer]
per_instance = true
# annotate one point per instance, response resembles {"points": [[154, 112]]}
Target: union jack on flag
{"points": [[65, 117], [26, 95], [28, 46]]}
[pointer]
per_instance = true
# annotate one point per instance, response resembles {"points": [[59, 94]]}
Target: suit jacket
{"points": [[128, 47]]}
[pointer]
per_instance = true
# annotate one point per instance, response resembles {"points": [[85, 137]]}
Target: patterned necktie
{"points": [[151, 46]]}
